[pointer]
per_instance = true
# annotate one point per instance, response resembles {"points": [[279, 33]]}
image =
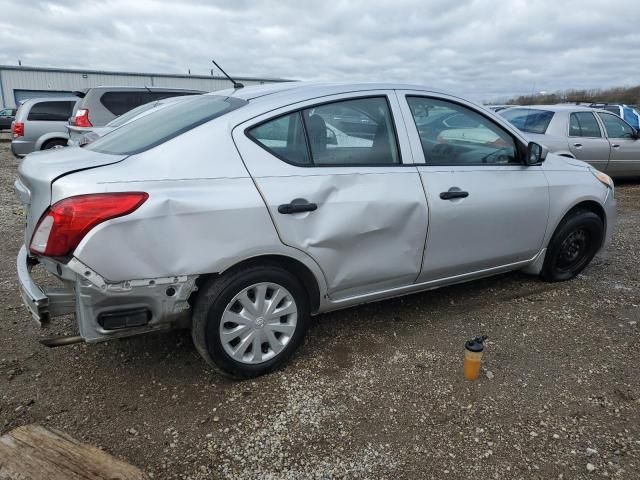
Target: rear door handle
{"points": [[298, 205], [577, 145], [452, 194], [615, 145]]}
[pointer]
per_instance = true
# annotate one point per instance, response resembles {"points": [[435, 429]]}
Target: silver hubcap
{"points": [[258, 323]]}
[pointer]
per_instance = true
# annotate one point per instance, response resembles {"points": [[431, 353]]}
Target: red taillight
{"points": [[82, 118], [65, 224], [17, 129]]}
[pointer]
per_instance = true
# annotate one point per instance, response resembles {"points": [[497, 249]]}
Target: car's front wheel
{"points": [[573, 245], [250, 321]]}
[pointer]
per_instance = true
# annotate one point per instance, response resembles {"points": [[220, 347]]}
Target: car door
{"points": [[487, 210], [352, 199], [586, 140], [624, 159], [6, 117]]}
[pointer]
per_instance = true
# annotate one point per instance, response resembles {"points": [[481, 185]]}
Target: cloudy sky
{"points": [[480, 48]]}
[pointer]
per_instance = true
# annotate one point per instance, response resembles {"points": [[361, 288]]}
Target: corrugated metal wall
{"points": [[67, 81]]}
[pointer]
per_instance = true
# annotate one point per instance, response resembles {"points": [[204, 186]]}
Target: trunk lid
{"points": [[39, 170]]}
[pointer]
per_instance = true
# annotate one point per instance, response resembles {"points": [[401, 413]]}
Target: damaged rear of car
{"points": [[74, 196]]}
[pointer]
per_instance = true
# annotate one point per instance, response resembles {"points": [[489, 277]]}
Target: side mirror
{"points": [[636, 133], [536, 154]]}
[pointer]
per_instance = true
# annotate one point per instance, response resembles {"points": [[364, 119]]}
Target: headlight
{"points": [[603, 177]]}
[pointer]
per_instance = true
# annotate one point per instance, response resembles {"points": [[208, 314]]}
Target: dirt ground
{"points": [[376, 391]]}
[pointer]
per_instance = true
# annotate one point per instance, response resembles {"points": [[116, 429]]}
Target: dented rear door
{"points": [[368, 228]]}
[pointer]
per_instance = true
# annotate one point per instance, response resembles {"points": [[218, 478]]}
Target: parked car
{"points": [[196, 215], [627, 112], [90, 134], [598, 137], [40, 124], [7, 116], [100, 105]]}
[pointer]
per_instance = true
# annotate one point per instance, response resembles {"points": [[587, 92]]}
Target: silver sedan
{"points": [[597, 137], [242, 213]]}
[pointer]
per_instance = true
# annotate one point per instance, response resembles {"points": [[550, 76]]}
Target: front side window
{"points": [[528, 120], [615, 126], [583, 124], [59, 111], [164, 124], [452, 134], [348, 132]]}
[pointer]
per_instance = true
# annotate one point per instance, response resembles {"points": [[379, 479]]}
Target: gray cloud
{"points": [[478, 48]]}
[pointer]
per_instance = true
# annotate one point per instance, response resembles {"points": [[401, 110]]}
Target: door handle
{"points": [[453, 194], [577, 145], [298, 205], [615, 145]]}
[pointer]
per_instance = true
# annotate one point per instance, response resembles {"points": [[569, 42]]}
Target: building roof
{"points": [[147, 74]]}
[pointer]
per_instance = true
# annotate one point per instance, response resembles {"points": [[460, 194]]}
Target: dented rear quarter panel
{"points": [[203, 214]]}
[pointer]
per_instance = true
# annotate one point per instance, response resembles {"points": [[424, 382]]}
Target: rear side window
{"points": [[51, 111], [583, 124], [348, 132], [121, 102], [164, 124], [284, 137], [528, 119]]}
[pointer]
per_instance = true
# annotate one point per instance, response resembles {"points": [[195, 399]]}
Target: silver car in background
{"points": [[98, 106], [80, 137], [240, 214], [597, 137], [40, 124]]}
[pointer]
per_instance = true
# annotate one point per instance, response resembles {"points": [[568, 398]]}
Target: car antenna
{"points": [[236, 85]]}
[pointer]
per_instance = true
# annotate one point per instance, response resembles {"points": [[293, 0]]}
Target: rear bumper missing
{"points": [[42, 303], [103, 309]]}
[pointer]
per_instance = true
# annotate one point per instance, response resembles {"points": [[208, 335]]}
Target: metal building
{"points": [[18, 83]]}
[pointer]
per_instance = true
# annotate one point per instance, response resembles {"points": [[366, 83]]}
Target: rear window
{"points": [[528, 119], [164, 124], [118, 102], [131, 114], [51, 111]]}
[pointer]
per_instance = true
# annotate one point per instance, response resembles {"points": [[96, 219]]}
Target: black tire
{"points": [[573, 245], [213, 298], [53, 143]]}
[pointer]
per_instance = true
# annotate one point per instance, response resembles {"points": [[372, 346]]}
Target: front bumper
{"points": [[42, 304]]}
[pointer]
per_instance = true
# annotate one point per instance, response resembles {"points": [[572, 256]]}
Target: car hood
{"points": [[557, 162]]}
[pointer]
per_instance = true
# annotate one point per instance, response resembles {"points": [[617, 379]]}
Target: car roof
{"points": [[33, 101], [82, 93], [556, 108], [315, 88]]}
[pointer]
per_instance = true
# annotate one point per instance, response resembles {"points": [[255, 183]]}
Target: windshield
{"points": [[164, 124], [528, 119]]}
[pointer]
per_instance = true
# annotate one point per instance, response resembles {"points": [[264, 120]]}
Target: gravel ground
{"points": [[376, 391]]}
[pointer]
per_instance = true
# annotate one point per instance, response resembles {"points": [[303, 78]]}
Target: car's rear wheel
{"points": [[249, 322], [54, 143], [573, 245]]}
